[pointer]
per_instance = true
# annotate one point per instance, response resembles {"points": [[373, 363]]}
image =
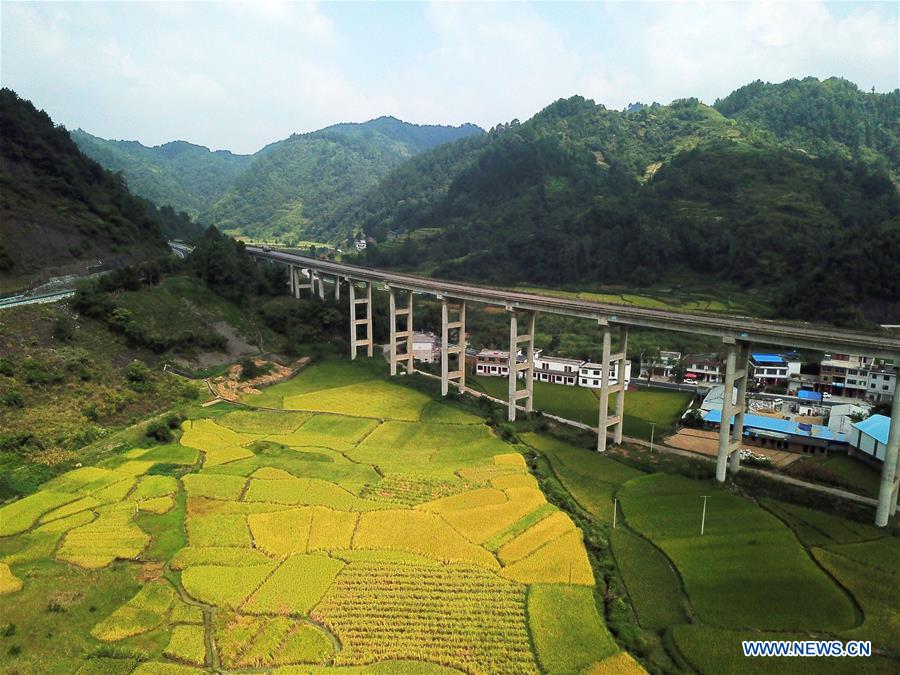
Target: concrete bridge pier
{"points": [[458, 349], [401, 337], [337, 288], [730, 435], [355, 341], [606, 371], [298, 281], [890, 485], [515, 394]]}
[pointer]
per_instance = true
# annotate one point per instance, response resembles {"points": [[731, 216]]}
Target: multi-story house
{"points": [[769, 368], [845, 375], [881, 383], [492, 362], [589, 374], [661, 366], [703, 368], [556, 370]]}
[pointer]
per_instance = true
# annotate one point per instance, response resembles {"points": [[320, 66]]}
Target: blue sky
{"points": [[240, 75]]}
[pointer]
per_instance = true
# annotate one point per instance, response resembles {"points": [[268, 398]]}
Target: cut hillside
{"points": [[61, 211]]}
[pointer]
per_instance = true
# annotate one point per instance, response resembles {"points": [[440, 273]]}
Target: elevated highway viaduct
{"points": [[736, 333]]}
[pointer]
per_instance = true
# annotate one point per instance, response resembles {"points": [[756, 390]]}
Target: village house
{"points": [[662, 365], [881, 383], [868, 439], [769, 369], [556, 370], [703, 368], [426, 347], [589, 374]]}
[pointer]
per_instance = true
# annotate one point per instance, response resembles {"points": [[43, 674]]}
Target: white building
{"points": [[839, 417], [556, 370], [868, 439], [881, 383], [703, 368], [589, 374], [426, 347], [492, 362], [662, 365], [769, 368]]}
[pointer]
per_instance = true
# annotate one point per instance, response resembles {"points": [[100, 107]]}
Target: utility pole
{"points": [[615, 508], [703, 518], [652, 433]]}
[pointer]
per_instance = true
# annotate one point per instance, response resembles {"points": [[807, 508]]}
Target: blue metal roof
{"points": [[807, 395], [781, 426], [876, 426], [767, 358]]}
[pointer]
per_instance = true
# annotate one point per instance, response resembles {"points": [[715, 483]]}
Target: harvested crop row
{"points": [[460, 616]]}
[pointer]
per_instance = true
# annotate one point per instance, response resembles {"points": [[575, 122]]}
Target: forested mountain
{"points": [[285, 190], [823, 117], [582, 194], [296, 185], [188, 177], [58, 206]]}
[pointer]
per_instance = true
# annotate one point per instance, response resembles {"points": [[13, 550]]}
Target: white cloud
{"points": [[240, 75]]}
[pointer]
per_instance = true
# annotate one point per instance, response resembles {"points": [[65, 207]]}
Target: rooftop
{"points": [[559, 359], [876, 426], [770, 359], [807, 395], [779, 426]]}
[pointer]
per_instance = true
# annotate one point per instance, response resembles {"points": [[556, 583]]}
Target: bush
{"points": [[7, 367], [137, 373], [12, 398], [40, 372], [160, 431], [63, 329]]}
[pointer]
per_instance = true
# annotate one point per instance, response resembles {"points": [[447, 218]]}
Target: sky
{"points": [[237, 76]]}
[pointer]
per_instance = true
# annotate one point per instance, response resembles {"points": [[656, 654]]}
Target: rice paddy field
{"points": [[360, 527]]}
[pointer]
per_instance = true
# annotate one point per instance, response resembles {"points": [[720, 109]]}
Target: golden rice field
{"points": [[367, 529]]}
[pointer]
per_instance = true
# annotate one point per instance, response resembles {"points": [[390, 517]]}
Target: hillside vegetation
{"points": [[62, 210], [185, 176], [285, 190], [796, 198]]}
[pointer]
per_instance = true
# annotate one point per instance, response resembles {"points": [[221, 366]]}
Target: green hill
{"points": [[295, 185], [188, 177], [582, 195], [61, 210]]}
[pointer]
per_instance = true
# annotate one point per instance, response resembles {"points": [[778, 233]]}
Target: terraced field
{"points": [[367, 528]]}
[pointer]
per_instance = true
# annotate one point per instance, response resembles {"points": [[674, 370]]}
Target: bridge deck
{"points": [[743, 329]]}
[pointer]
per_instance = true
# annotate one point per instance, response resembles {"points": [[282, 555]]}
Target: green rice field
{"points": [[364, 527]]}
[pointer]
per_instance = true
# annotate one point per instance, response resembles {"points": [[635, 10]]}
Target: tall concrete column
{"points": [[404, 336], [370, 341], [602, 424], [290, 279], [740, 405], [887, 493], [620, 384], [392, 337], [526, 368], [337, 288], [355, 323], [529, 363], [458, 349], [445, 347], [727, 412], [512, 362]]}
